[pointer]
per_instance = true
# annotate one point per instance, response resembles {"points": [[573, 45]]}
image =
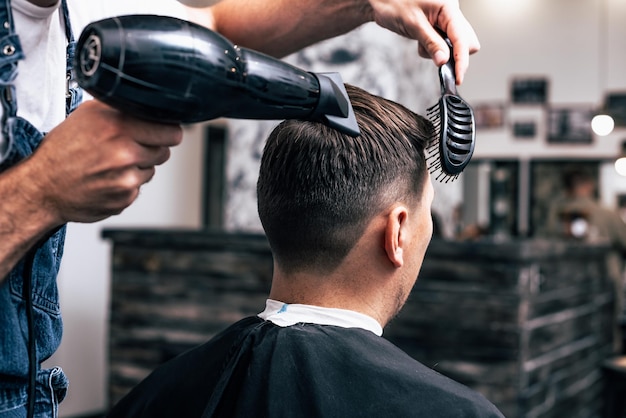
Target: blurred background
{"points": [[546, 68]]}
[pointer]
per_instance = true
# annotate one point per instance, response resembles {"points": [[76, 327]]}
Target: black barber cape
{"points": [[258, 369]]}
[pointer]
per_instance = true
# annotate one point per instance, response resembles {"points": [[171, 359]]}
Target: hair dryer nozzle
{"points": [[334, 107]]}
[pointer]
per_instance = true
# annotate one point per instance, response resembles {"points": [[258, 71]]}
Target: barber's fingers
{"points": [[463, 38], [430, 43], [151, 156], [114, 123], [130, 180], [461, 34], [118, 191], [462, 50], [417, 19], [152, 134]]}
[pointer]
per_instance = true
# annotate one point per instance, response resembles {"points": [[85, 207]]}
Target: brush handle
{"points": [[447, 74]]}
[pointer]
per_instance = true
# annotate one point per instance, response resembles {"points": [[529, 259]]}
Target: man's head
{"points": [[318, 189], [579, 182]]}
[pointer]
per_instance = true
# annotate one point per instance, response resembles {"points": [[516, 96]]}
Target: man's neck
{"points": [[328, 292], [43, 3]]}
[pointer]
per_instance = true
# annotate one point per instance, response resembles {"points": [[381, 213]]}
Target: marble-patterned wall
{"points": [[369, 57]]}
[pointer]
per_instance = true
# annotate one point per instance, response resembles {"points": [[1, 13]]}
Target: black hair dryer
{"points": [[174, 71]]}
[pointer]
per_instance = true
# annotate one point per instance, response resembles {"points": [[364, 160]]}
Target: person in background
{"points": [[579, 215], [71, 163], [348, 221]]}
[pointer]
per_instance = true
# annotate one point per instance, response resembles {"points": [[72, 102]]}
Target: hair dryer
{"points": [[173, 71]]}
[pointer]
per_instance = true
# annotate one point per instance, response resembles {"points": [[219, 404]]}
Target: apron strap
{"points": [[73, 93]]}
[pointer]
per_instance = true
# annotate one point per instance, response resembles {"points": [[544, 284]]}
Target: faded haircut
{"points": [[318, 188]]}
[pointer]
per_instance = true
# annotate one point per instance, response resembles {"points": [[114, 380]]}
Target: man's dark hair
{"points": [[318, 188]]}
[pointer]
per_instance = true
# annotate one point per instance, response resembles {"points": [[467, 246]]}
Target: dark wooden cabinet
{"points": [[527, 323]]}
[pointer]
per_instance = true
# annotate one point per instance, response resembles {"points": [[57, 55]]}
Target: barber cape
{"points": [[258, 368]]}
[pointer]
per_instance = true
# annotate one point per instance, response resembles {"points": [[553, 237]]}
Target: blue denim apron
{"points": [[46, 316]]}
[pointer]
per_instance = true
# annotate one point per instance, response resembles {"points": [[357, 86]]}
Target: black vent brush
{"points": [[452, 142]]}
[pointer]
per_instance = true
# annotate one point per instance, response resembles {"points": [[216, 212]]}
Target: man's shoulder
{"points": [[182, 386], [362, 367]]}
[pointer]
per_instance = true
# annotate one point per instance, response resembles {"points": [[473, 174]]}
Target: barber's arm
{"points": [[280, 27], [87, 168], [23, 219]]}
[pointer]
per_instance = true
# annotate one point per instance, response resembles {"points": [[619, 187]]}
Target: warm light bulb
{"points": [[620, 166], [602, 125]]}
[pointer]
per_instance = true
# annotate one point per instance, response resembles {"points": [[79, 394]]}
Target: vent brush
{"points": [[452, 141]]}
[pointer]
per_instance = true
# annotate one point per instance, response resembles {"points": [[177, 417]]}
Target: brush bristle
{"points": [[433, 151]]}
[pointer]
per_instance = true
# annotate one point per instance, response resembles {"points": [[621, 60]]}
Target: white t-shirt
{"points": [[40, 82]]}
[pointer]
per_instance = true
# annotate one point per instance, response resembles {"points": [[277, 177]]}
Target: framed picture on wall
{"points": [[570, 125], [529, 90], [527, 122], [525, 129], [489, 115], [615, 104]]}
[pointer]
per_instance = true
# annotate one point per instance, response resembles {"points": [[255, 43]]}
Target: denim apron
{"points": [[51, 385]]}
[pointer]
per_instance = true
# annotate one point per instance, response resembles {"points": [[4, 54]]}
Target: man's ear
{"points": [[395, 235]]}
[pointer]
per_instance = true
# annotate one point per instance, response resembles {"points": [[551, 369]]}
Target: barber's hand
{"points": [[415, 19], [92, 165]]}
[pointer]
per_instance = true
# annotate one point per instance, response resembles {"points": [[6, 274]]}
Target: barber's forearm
{"points": [[280, 27], [24, 220], [12, 248]]}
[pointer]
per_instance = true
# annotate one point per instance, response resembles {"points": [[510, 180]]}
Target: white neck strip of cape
{"points": [[284, 315]]}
